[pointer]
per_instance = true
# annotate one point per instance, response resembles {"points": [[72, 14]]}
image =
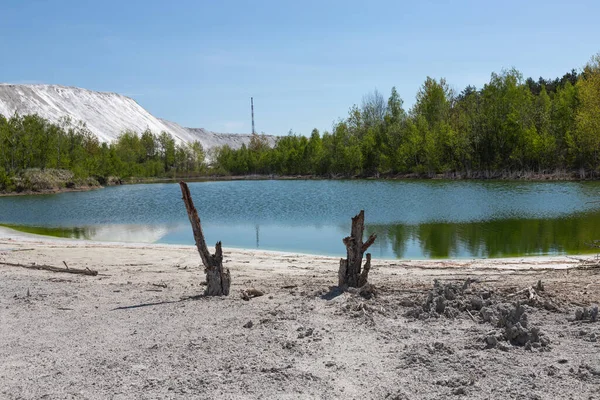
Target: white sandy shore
{"points": [[71, 336], [511, 263]]}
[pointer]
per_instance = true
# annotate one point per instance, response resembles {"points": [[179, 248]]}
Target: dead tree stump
{"points": [[351, 273], [218, 279]]}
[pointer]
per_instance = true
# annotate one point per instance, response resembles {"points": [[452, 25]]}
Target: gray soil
{"points": [[142, 330]]}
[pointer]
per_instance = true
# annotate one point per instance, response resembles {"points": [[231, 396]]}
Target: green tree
{"points": [[166, 150], [586, 138]]}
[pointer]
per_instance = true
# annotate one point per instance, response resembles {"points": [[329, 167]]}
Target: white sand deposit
{"points": [[139, 330]]}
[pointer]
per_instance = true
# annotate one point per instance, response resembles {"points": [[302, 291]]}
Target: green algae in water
{"points": [[60, 232]]}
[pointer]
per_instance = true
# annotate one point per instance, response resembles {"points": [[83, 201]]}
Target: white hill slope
{"points": [[107, 115]]}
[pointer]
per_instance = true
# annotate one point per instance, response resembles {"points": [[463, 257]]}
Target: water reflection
{"points": [[413, 219], [104, 233], [499, 238]]}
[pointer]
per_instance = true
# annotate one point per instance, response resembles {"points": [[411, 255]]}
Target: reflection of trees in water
{"points": [[62, 232], [126, 233], [395, 235], [498, 238], [380, 247], [511, 237], [87, 233]]}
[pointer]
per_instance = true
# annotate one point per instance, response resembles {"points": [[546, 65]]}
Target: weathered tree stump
{"points": [[351, 273], [218, 279]]}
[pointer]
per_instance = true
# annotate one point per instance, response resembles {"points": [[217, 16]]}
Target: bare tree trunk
{"points": [[351, 273], [218, 279]]}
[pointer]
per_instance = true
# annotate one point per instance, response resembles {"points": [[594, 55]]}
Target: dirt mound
{"points": [[587, 314], [452, 299], [513, 321]]}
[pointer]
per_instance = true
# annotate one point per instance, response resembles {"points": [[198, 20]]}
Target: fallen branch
{"points": [[527, 289], [289, 286], [584, 266], [251, 293], [583, 260], [471, 315], [530, 291], [86, 271], [17, 249]]}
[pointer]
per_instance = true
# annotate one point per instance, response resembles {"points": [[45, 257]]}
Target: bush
{"points": [[36, 179], [40, 180]]}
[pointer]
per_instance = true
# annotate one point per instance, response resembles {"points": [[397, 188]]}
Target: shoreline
{"points": [[529, 261], [51, 191], [521, 176]]}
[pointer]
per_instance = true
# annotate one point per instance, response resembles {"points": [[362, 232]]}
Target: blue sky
{"points": [[305, 62]]}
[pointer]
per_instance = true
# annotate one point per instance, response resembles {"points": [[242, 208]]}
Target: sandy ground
{"points": [[139, 330]]}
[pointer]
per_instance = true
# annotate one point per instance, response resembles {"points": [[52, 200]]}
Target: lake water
{"points": [[413, 219]]}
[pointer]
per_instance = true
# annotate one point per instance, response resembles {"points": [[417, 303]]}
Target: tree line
{"points": [[510, 124], [31, 141]]}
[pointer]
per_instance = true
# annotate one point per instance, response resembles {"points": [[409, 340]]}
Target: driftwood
{"points": [[351, 273], [251, 293], [532, 295], [86, 271], [218, 278]]}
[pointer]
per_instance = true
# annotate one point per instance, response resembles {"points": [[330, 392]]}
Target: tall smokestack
{"points": [[252, 108]]}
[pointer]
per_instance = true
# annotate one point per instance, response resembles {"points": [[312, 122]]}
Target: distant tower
{"points": [[252, 108]]}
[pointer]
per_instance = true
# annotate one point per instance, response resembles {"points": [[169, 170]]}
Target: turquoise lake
{"points": [[413, 219]]}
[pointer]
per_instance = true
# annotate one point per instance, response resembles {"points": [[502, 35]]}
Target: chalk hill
{"points": [[106, 114]]}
